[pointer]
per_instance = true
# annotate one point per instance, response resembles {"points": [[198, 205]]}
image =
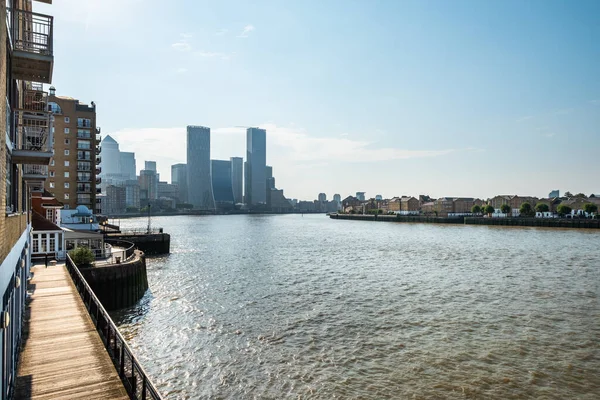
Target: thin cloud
{"points": [[221, 32], [210, 54], [183, 43], [246, 31], [525, 118]]}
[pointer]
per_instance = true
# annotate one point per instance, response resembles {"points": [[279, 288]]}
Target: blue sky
{"points": [[461, 98]]}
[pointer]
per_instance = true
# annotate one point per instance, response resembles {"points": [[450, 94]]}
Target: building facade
{"points": [[179, 178], [199, 182], [74, 168], [237, 179], [221, 182], [256, 159]]}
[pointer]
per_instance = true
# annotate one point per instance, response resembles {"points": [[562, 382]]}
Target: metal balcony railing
{"points": [[32, 32], [35, 100], [98, 160], [84, 124], [84, 168], [84, 135], [84, 146], [98, 149], [34, 131], [98, 181], [84, 189], [98, 170], [35, 170]]}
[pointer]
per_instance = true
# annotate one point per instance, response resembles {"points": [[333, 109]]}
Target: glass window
{"points": [[67, 131], [52, 174], [67, 207], [66, 163], [66, 185], [49, 214], [67, 120], [67, 141], [54, 108], [66, 152], [52, 163], [52, 242], [66, 196], [36, 244], [43, 244], [67, 174], [51, 185], [69, 244], [83, 144]]}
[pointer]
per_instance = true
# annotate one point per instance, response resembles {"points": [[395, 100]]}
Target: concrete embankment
{"points": [[150, 244], [533, 222], [118, 285]]}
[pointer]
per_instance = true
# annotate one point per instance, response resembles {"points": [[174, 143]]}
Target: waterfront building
{"points": [[256, 162], [278, 203], [237, 179], [74, 168], [337, 197], [114, 201], [221, 183], [179, 178], [26, 63], [322, 197], [132, 193], [168, 190], [115, 166], [360, 196], [378, 197], [200, 193], [270, 179], [148, 186], [553, 194]]}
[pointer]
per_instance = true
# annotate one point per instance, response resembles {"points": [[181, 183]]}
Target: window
{"points": [[83, 144], [49, 214], [67, 131], [66, 152], [54, 108], [84, 122], [84, 133], [52, 174], [66, 196], [36, 243], [66, 163], [52, 129], [67, 120], [52, 185], [52, 163], [52, 242], [66, 185], [66, 174], [67, 141], [66, 207], [43, 242]]}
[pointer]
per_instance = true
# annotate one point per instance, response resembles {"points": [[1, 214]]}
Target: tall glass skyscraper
{"points": [[237, 174], [221, 181], [179, 177], [256, 159], [200, 193]]}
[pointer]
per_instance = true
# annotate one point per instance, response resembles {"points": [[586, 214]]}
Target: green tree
{"points": [[82, 256], [542, 207], [505, 208], [581, 196], [476, 209], [568, 194], [489, 209], [590, 208], [563, 209], [525, 210]]}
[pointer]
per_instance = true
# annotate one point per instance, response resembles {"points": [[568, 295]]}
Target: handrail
{"points": [[134, 378], [129, 246]]}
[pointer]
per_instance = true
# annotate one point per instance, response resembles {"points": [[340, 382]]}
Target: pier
{"points": [[62, 354]]}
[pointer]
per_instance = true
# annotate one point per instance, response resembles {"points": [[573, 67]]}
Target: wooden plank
{"points": [[62, 356]]}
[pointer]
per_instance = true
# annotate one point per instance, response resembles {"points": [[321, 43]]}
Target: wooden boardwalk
{"points": [[62, 355]]}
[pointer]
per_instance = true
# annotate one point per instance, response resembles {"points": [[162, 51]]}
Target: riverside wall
{"points": [[580, 223], [150, 244], [118, 285]]}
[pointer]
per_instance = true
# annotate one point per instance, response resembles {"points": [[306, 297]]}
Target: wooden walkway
{"points": [[62, 355]]}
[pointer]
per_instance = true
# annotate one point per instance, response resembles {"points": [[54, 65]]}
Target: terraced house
{"points": [[26, 63]]}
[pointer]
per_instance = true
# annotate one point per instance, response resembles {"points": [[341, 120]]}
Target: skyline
{"points": [[471, 99]]}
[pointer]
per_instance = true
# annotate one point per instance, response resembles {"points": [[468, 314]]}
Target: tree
{"points": [[542, 207], [82, 256], [563, 209], [568, 194], [580, 196], [525, 210], [475, 209], [505, 208], [489, 209], [590, 208]]}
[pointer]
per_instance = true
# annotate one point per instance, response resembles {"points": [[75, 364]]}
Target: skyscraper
{"points": [[237, 174], [150, 165], [256, 156], [221, 182], [128, 165], [179, 177], [198, 162], [322, 197]]}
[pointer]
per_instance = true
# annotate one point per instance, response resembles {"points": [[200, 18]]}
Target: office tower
{"points": [[237, 181], [132, 193], [26, 63], [128, 170], [256, 159], [148, 182], [150, 165], [360, 196], [270, 179], [221, 182], [114, 200], [553, 194], [200, 193], [337, 197], [322, 197], [378, 197], [179, 177], [75, 165]]}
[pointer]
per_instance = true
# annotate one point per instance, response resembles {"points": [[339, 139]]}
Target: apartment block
{"points": [[75, 165]]}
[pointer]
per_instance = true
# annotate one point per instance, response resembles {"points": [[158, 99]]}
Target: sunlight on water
{"points": [[305, 307]]}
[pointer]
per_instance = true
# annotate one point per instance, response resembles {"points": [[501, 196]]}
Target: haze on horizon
{"points": [[461, 98]]}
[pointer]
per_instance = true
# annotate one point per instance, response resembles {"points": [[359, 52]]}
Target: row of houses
{"points": [[455, 206]]}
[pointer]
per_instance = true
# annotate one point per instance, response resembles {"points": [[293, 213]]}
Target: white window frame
{"points": [[66, 152]]}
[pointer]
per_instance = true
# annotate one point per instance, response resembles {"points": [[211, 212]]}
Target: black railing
{"points": [[128, 246], [141, 231], [136, 381]]}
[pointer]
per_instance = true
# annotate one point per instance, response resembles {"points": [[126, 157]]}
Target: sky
{"points": [[460, 98]]}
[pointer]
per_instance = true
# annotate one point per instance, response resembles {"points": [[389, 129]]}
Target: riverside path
{"points": [[62, 355]]}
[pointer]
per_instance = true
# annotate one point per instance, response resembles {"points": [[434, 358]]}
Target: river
{"points": [[291, 306]]}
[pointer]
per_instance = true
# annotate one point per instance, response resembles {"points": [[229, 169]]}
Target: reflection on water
{"points": [[305, 307]]}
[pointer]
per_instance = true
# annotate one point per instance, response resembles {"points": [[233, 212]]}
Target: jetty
{"points": [[62, 356]]}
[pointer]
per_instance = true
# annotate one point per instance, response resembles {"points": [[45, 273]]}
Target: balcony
{"points": [[82, 156], [35, 173], [84, 123], [35, 99], [98, 181], [98, 160], [83, 146], [98, 191], [84, 135], [84, 168], [34, 139], [98, 170], [98, 149], [32, 42], [83, 178], [84, 189]]}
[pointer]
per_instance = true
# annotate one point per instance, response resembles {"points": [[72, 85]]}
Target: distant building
{"points": [[221, 183], [179, 178], [128, 165], [322, 197], [237, 179], [554, 194], [378, 197], [150, 165], [116, 166], [337, 197], [360, 196], [278, 202], [132, 193], [256, 157], [148, 186], [200, 193], [168, 190], [114, 200]]}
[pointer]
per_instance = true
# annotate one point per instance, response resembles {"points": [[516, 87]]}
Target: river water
{"points": [[274, 307]]}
